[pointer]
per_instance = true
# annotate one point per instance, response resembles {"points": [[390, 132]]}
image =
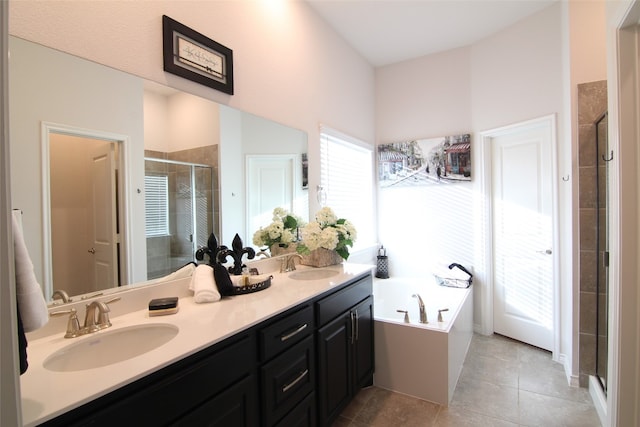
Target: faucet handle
{"points": [[406, 315], [103, 316], [73, 324]]}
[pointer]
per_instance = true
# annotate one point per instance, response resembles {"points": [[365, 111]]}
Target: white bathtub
{"points": [[421, 360]]}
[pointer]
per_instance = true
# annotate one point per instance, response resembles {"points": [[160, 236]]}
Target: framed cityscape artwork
{"points": [[431, 161]]}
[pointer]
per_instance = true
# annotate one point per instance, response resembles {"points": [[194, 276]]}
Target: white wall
{"points": [[289, 66], [72, 93], [514, 75]]}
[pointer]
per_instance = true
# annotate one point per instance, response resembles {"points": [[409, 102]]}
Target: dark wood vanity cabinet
{"points": [[344, 348], [288, 370], [297, 369], [215, 387]]}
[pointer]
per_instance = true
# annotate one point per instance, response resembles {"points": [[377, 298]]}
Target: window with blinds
{"points": [[156, 203], [347, 180]]}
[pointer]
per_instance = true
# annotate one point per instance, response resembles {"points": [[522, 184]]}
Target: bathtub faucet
{"points": [[423, 311]]}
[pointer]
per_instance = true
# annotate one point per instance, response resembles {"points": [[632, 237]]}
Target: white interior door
{"points": [[103, 217], [270, 184], [522, 212]]}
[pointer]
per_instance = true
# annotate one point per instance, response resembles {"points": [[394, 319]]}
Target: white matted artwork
{"points": [[442, 160]]}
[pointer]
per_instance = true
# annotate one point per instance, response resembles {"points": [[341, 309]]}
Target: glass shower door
{"points": [[189, 215]]}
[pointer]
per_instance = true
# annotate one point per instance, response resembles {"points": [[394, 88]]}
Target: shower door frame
{"points": [[192, 167]]}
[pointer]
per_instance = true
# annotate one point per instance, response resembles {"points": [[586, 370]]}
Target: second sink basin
{"points": [[108, 347], [313, 274]]}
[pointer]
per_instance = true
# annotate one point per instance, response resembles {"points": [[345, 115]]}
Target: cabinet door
{"points": [[303, 415], [363, 343], [334, 367], [237, 406]]}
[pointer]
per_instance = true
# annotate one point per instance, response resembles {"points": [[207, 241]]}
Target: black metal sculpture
{"points": [[236, 252]]}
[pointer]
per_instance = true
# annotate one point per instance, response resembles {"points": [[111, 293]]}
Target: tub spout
{"points": [[423, 311]]}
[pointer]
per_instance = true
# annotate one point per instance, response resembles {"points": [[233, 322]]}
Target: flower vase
{"points": [[278, 249], [321, 257]]}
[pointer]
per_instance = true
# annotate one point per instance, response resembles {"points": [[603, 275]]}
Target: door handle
{"points": [[545, 252], [92, 251]]}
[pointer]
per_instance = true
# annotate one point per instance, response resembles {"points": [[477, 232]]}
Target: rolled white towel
{"points": [[203, 285], [181, 273], [33, 308]]}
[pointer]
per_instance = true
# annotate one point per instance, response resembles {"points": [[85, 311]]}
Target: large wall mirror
{"points": [[119, 179]]}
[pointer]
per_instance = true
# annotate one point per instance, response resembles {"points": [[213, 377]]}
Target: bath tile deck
{"points": [[503, 383]]}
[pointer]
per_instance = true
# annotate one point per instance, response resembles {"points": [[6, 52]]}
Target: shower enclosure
{"points": [[602, 249], [178, 212]]}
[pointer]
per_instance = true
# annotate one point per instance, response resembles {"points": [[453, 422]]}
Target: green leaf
{"points": [[290, 222], [343, 252], [302, 249]]}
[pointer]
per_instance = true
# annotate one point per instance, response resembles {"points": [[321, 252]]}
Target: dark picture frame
{"points": [[194, 56]]}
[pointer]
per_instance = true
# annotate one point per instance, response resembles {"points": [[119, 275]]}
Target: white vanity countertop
{"points": [[47, 394]]}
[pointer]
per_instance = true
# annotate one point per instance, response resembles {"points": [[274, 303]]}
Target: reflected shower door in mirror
{"points": [[179, 213], [147, 120]]}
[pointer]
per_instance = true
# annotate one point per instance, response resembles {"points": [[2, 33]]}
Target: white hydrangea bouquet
{"points": [[282, 231], [328, 232]]}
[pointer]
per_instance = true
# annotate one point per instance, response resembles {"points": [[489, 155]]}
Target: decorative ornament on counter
{"points": [[236, 252], [382, 266], [211, 250], [218, 254], [220, 273]]}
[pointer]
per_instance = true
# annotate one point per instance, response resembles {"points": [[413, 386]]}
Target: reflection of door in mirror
{"points": [[271, 181], [84, 215], [179, 213]]}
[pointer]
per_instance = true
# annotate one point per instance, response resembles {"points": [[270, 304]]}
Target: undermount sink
{"points": [[313, 274], [107, 347]]}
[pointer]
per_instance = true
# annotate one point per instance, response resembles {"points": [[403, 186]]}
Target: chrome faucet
{"points": [[288, 263], [423, 311], [91, 324], [62, 295]]}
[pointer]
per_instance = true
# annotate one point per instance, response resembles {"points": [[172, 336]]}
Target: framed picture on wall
{"points": [[443, 160], [191, 55]]}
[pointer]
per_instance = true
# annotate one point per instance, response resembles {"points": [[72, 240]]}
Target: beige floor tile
{"points": [[457, 417], [503, 383], [552, 383], [386, 408], [486, 398], [358, 402], [490, 368], [540, 410], [494, 345]]}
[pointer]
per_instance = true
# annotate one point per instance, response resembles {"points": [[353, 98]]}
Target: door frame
{"points": [[620, 406], [485, 175], [124, 190]]}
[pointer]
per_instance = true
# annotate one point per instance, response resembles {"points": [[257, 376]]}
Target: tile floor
{"points": [[503, 383]]}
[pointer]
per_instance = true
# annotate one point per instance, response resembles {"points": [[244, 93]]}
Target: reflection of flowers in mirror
{"points": [[282, 231], [329, 232]]}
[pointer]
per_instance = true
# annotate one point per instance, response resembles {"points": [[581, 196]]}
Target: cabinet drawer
{"points": [[285, 332], [287, 379], [303, 415], [236, 406], [330, 307]]}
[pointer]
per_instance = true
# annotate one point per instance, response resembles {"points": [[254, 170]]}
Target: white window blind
{"points": [[156, 201], [347, 180]]}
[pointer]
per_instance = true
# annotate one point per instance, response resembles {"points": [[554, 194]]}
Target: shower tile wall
{"points": [[592, 103], [158, 248]]}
